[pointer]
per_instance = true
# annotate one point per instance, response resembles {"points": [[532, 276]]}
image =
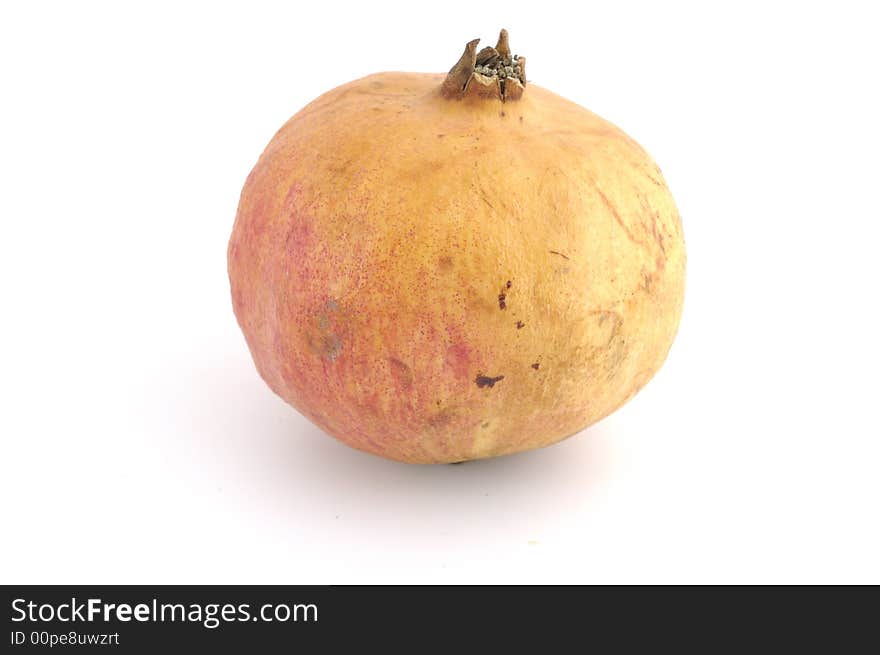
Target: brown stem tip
{"points": [[503, 46], [459, 76], [491, 72]]}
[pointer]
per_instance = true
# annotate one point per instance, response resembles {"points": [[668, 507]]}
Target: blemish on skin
{"points": [[325, 336], [502, 296], [332, 346], [520, 119], [440, 136], [401, 373], [613, 329], [553, 252], [487, 381], [442, 418], [611, 208], [536, 365], [485, 425], [520, 325], [445, 264], [502, 114]]}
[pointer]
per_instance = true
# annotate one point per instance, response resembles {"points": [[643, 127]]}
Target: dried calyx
{"points": [[491, 72]]}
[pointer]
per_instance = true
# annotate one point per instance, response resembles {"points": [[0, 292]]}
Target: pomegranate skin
{"points": [[436, 280]]}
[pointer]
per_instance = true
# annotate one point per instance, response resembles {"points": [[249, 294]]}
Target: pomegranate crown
{"points": [[491, 72]]}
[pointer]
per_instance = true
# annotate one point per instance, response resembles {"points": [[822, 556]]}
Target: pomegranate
{"points": [[440, 268]]}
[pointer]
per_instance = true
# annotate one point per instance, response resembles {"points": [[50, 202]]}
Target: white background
{"points": [[140, 446]]}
